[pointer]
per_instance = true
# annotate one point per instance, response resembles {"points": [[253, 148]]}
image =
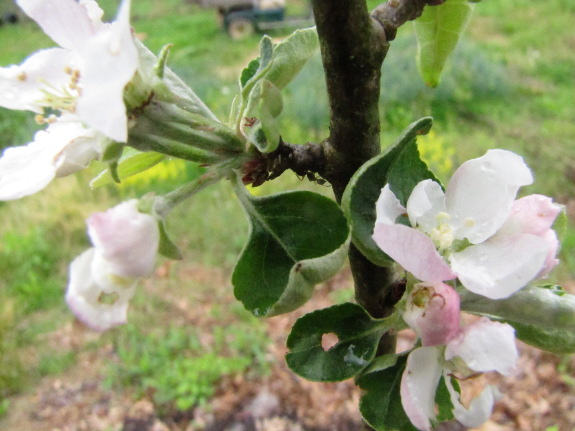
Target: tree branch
{"points": [[394, 13]]}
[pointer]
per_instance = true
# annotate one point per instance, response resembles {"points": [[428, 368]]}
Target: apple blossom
{"points": [[103, 279], [83, 82], [479, 347], [472, 231]]}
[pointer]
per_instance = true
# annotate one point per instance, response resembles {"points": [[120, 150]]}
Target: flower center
{"points": [[61, 98], [442, 235]]}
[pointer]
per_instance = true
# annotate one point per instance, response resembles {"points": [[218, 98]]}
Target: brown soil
{"points": [[542, 394]]}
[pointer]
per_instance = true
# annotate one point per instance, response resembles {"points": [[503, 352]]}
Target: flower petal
{"points": [[500, 266], [109, 63], [388, 207], [485, 345], [413, 250], [85, 297], [418, 386], [65, 21], [22, 87], [479, 409], [433, 313], [533, 214], [28, 169], [126, 238], [481, 192], [426, 201]]}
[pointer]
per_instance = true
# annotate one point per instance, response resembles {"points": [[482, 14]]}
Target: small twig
{"points": [[394, 13]]}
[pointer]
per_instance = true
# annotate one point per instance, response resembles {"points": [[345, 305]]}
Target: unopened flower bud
{"points": [[433, 313]]}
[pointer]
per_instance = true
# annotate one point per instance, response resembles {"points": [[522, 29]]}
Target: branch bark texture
{"points": [[353, 46]]}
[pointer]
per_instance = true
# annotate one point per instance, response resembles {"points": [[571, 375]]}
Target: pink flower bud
{"points": [[433, 313], [126, 238]]}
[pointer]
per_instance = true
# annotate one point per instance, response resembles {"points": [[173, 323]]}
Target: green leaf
{"points": [[438, 30], [380, 405], [358, 337], [167, 247], [265, 104], [290, 55], [297, 239], [542, 317], [401, 166], [258, 65], [131, 163]]}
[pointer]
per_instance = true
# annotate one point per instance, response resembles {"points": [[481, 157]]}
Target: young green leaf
{"points": [[401, 167], [438, 30], [265, 105], [131, 163], [297, 239], [542, 317], [167, 247], [357, 334]]}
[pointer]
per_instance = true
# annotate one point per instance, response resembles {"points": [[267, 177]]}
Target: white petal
{"points": [[413, 250], [84, 296], [479, 409], [22, 87], [94, 11], [126, 238], [500, 266], [65, 21], [28, 169], [425, 202], [481, 192], [485, 346], [388, 207], [109, 63], [83, 147], [418, 386]]}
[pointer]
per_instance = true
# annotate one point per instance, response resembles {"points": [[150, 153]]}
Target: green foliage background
{"points": [[509, 84]]}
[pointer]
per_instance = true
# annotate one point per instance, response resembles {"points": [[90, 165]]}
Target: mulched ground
{"points": [[542, 394]]}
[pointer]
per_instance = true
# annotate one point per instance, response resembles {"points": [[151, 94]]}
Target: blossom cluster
{"points": [[103, 278], [478, 235], [67, 87]]}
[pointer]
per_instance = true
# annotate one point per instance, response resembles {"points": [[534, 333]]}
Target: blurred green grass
{"points": [[508, 85]]}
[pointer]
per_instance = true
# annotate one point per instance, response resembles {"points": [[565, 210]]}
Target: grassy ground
{"points": [[509, 85]]}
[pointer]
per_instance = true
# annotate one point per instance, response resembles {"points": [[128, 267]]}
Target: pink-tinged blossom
{"points": [[433, 312], [479, 347], [83, 82], [475, 230], [103, 279]]}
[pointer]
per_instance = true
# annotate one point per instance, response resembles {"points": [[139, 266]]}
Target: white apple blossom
{"points": [[83, 82], [473, 230], [103, 279], [479, 347]]}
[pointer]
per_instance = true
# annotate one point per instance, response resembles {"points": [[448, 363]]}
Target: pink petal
{"points": [[126, 238], [413, 250], [533, 214], [500, 266], [485, 345], [433, 313], [418, 386]]}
